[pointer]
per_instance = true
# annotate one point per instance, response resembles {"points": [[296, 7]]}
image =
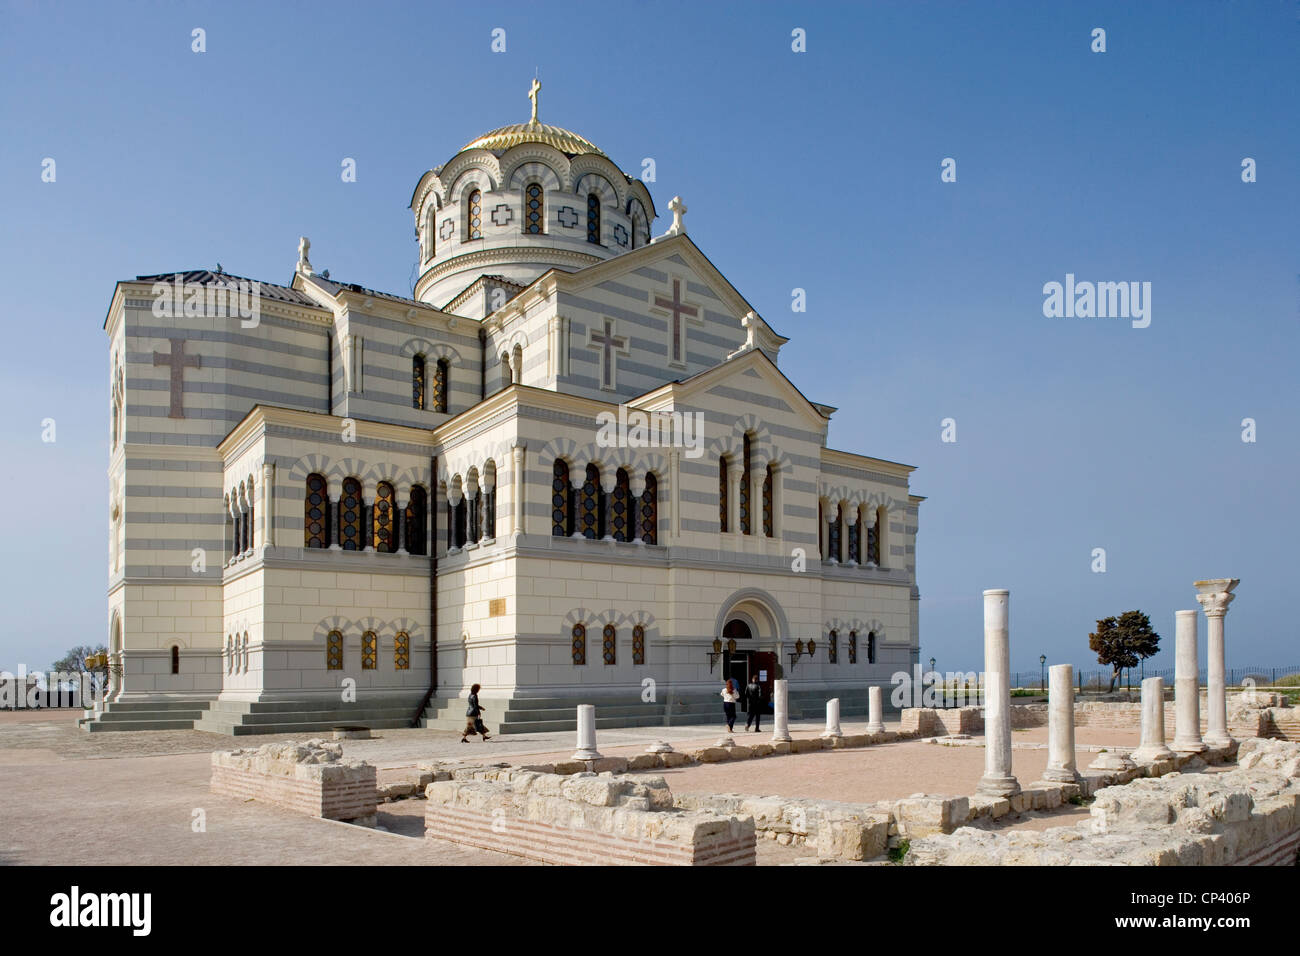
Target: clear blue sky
{"points": [[817, 170]]}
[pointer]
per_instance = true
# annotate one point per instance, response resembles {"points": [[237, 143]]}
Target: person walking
{"points": [[473, 718], [754, 702], [729, 697]]}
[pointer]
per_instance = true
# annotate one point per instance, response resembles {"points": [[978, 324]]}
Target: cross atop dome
{"points": [[535, 89]]}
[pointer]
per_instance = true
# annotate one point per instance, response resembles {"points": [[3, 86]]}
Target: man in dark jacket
{"points": [[753, 702]]}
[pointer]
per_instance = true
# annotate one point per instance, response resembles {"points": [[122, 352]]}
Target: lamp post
{"points": [[932, 665], [1042, 672], [715, 653]]}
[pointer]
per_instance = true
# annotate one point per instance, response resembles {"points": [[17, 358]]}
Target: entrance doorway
{"points": [[742, 663]]}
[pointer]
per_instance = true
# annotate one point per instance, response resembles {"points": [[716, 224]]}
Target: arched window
{"points": [[722, 493], [238, 519], [383, 537], [855, 539], [768, 528], [230, 655], [474, 216], [474, 515], [873, 539], [334, 651], [506, 377], [579, 644], [833, 648], [590, 504], [402, 651], [871, 647], [607, 642], [746, 526], [369, 651], [430, 231], [650, 510], [561, 512], [176, 659], [350, 515], [418, 395], [534, 211], [833, 542], [417, 510], [638, 645], [460, 518], [316, 524], [244, 666], [593, 218], [620, 518], [441, 384], [853, 647]]}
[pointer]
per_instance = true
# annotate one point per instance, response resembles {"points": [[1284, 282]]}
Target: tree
{"points": [[74, 662], [1123, 641]]}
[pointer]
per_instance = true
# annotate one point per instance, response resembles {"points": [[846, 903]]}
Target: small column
{"points": [[1187, 686], [1153, 746], [833, 719], [997, 779], [586, 733], [875, 710], [1214, 596], [781, 711], [636, 488], [1061, 764], [733, 497], [577, 478], [517, 486]]}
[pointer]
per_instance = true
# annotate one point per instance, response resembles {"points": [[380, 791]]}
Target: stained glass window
{"points": [[416, 514], [607, 641], [334, 651], [402, 651], [417, 382], [650, 510], [350, 515], [474, 216], [561, 520], [855, 536], [383, 537], [176, 659], [620, 519], [833, 541], [533, 212], [722, 494], [853, 647], [638, 645], [441, 376], [369, 651], [768, 529], [590, 504], [833, 648], [315, 524], [579, 644], [593, 218], [744, 487]]}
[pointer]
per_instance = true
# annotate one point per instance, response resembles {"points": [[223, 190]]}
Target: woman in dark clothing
{"points": [[473, 722]]}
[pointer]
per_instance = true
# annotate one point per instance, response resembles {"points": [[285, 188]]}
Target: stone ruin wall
{"points": [[310, 778]]}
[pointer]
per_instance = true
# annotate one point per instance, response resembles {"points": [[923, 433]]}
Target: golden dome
{"points": [[507, 137]]}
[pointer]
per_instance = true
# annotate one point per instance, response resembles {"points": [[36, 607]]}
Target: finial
{"points": [[535, 89], [678, 228], [304, 248]]}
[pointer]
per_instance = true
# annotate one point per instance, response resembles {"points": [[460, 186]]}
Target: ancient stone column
{"points": [[1153, 746], [875, 710], [997, 779], [781, 708], [1214, 596], [586, 733], [833, 719], [1061, 765], [1187, 686]]}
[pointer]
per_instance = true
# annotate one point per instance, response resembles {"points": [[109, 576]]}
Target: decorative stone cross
{"points": [[535, 89], [177, 361], [678, 228], [304, 248], [678, 309], [607, 343]]}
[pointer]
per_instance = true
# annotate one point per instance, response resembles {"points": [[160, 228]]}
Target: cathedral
{"points": [[569, 468]]}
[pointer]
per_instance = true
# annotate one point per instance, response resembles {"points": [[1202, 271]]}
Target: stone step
{"points": [[97, 727], [331, 717], [295, 727], [117, 717], [129, 706]]}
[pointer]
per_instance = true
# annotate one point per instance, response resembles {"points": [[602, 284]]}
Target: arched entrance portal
{"points": [[751, 625]]}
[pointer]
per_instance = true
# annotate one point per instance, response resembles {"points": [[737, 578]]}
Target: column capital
{"points": [[1215, 594]]}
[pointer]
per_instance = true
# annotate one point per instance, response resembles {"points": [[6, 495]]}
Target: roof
{"points": [[507, 137], [267, 290], [334, 288]]}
